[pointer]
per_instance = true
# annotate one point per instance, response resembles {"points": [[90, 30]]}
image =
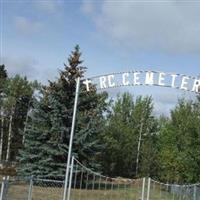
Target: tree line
{"points": [[117, 138], [16, 98]]}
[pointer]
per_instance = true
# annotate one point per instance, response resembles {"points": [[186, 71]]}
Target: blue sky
{"points": [[37, 37]]}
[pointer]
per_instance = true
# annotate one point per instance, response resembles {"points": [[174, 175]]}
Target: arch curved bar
{"points": [[142, 78]]}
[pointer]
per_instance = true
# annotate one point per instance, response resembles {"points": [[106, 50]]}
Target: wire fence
{"points": [[47, 189], [86, 184], [163, 191], [15, 188]]}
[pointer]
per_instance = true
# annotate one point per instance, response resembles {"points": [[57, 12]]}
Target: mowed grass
{"points": [[20, 192]]}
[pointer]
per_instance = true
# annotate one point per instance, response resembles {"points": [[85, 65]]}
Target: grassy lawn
{"points": [[128, 194], [20, 192]]}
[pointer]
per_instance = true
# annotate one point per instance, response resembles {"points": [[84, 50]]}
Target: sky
{"points": [[37, 37]]}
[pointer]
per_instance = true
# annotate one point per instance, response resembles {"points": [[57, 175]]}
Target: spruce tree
{"points": [[48, 132]]}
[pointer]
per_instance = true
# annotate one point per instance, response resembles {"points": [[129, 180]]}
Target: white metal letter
{"points": [[161, 79], [173, 80], [110, 81], [184, 82], [102, 82], [149, 78], [196, 86], [124, 81], [136, 78]]}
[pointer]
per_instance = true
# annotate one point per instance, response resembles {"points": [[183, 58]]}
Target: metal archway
{"points": [[131, 78], [141, 78]]}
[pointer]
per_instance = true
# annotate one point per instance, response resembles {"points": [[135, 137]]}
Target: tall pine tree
{"points": [[49, 125]]}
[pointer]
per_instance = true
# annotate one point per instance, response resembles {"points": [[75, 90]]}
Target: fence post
{"points": [[195, 193], [148, 188], [70, 179], [30, 189], [2, 188], [143, 188]]}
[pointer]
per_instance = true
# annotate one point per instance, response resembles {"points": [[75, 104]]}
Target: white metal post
{"points": [[195, 193], [71, 138], [148, 188], [30, 189], [2, 188], [143, 188], [70, 179]]}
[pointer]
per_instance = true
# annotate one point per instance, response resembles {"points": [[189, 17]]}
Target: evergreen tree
{"points": [[48, 129]]}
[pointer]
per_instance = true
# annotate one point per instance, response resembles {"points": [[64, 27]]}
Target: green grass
{"points": [[20, 192], [128, 194]]}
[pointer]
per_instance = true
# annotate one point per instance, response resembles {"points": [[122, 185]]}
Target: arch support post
{"points": [[71, 139]]}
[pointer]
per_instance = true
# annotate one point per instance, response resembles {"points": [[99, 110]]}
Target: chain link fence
{"points": [[86, 184], [90, 186], [44, 189], [16, 188], [159, 191]]}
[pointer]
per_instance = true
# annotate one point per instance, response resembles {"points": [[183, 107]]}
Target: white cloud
{"points": [[48, 6], [30, 67], [164, 102], [168, 26], [88, 7], [167, 99], [21, 65], [27, 26]]}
